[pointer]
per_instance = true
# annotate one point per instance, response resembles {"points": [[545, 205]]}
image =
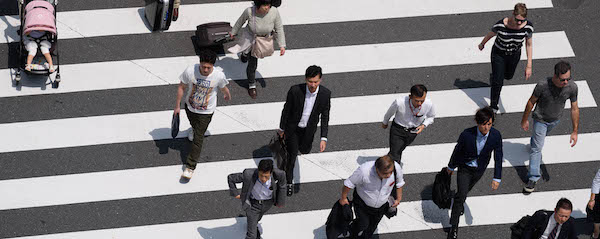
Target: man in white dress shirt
{"points": [[373, 182], [413, 113]]}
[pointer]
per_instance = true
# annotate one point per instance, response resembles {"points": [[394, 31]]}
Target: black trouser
{"points": [[253, 215], [400, 137], [297, 140], [504, 65], [367, 218], [199, 123], [251, 69], [465, 180]]}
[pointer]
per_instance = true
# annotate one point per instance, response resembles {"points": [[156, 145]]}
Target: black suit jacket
{"points": [[249, 177], [294, 104], [539, 221], [466, 150]]}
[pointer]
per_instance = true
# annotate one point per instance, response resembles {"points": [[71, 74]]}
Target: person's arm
{"points": [[226, 94], [281, 186], [286, 112], [232, 179], [325, 123], [486, 38], [350, 183], [429, 117], [390, 112], [528, 108], [456, 153], [180, 89], [279, 33], [344, 199], [575, 119], [240, 22], [498, 155], [529, 51], [398, 197]]}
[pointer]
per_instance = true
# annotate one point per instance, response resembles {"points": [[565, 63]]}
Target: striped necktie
{"points": [[553, 232]]}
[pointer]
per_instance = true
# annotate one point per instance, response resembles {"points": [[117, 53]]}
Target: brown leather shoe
{"points": [[252, 93]]}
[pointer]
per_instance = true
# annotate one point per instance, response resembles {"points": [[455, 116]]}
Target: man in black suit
{"points": [[261, 189], [472, 155], [299, 118], [552, 225]]}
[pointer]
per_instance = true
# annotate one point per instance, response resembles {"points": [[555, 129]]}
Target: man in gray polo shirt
{"points": [[549, 97]]}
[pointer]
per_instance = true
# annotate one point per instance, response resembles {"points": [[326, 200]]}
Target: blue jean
{"points": [[540, 129]]}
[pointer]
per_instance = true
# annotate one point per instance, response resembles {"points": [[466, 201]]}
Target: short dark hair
{"points": [[484, 115], [259, 3], [207, 56], [265, 165], [313, 71], [564, 204], [561, 68], [384, 163], [418, 90]]}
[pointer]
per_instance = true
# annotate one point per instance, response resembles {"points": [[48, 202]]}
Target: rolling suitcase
{"points": [[212, 34], [159, 14]]}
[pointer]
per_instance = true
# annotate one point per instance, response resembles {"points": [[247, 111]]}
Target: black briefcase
{"points": [[518, 228], [175, 125], [279, 151]]}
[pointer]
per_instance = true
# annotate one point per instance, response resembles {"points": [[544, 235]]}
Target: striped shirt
{"points": [[511, 39]]}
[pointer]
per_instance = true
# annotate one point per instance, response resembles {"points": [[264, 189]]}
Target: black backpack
{"points": [[518, 228], [441, 194]]}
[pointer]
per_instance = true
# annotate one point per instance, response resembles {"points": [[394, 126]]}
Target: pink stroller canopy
{"points": [[39, 16]]}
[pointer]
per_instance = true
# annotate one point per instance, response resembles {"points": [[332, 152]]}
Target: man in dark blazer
{"points": [[261, 189], [552, 225], [299, 118], [472, 155]]}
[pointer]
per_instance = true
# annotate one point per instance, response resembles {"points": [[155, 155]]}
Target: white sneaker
{"points": [[187, 173], [191, 134]]}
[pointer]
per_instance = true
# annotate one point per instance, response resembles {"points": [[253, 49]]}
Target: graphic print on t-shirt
{"points": [[200, 94]]}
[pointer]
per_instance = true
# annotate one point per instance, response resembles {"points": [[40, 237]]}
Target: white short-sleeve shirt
{"points": [[201, 97]]}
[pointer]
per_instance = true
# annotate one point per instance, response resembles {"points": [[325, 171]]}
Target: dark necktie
{"points": [[553, 232]]}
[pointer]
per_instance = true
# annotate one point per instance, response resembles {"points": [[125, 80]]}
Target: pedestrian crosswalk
{"points": [[106, 166]]}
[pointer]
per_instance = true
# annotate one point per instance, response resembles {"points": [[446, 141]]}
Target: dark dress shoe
{"points": [[290, 190], [175, 14], [453, 233], [244, 58], [252, 93]]}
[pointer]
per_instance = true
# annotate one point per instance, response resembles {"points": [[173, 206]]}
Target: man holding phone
{"points": [[413, 114]]}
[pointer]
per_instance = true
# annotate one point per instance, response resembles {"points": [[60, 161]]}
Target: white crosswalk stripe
{"points": [[40, 196]]}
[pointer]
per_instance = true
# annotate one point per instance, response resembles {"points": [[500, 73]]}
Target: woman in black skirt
{"points": [[510, 34]]}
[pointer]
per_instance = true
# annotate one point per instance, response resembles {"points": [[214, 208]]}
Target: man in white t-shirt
{"points": [[201, 81]]}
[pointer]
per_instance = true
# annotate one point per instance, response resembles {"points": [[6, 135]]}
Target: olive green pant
{"points": [[199, 123]]}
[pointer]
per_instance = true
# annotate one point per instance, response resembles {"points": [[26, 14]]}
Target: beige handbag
{"points": [[263, 46]]}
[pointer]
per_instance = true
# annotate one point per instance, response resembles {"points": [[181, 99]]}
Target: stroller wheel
{"points": [[55, 84]]}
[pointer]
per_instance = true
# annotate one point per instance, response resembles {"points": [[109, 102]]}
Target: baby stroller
{"points": [[40, 16]]}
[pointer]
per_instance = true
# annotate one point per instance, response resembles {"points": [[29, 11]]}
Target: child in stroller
{"points": [[31, 44]]}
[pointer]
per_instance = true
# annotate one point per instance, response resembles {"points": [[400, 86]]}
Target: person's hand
{"points": [[177, 110], [281, 133], [343, 201], [527, 72], [227, 97], [384, 126], [237, 197], [495, 185], [573, 139], [480, 46], [591, 204], [323, 145], [231, 36], [525, 125], [420, 129], [281, 51], [450, 172], [396, 202]]}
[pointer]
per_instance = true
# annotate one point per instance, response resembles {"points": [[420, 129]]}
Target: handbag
{"points": [[263, 46], [279, 151], [175, 125]]}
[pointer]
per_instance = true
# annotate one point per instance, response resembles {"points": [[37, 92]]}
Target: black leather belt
{"points": [[404, 128], [260, 201]]}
